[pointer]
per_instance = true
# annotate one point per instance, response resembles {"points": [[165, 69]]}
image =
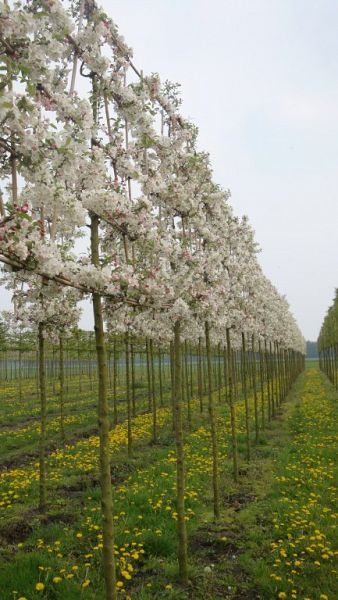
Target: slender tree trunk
{"points": [[254, 385], [191, 374], [213, 428], [204, 376], [20, 366], [160, 376], [132, 361], [129, 432], [267, 366], [148, 375], [246, 400], [261, 378], [66, 368], [108, 558], [272, 379], [62, 388], [279, 372], [199, 374], [232, 405], [54, 350], [172, 378], [153, 394], [115, 417], [109, 366], [186, 378], [181, 522], [36, 373], [219, 375], [78, 362], [225, 370], [43, 420]]}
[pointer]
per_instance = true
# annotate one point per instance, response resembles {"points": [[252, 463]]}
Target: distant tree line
{"points": [[311, 350]]}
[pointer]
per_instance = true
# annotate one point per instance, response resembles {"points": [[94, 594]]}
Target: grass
{"points": [[287, 490], [20, 426], [283, 540]]}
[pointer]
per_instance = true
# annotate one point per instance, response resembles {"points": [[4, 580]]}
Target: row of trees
{"points": [[95, 153], [143, 366], [328, 342]]}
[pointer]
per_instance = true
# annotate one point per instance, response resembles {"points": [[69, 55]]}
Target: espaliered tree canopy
{"points": [[328, 342], [328, 335], [111, 142], [89, 144]]}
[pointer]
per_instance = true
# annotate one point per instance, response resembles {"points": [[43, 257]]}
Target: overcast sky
{"points": [[260, 80]]}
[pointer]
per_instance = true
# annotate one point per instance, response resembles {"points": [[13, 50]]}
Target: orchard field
{"points": [[179, 445], [276, 531]]}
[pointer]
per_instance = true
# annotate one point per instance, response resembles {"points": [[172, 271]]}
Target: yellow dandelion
{"points": [[126, 574]]}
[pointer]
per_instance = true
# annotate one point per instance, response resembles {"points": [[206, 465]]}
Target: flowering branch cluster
{"points": [[115, 146]]}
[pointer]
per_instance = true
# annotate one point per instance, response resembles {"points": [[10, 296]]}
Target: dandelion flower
{"points": [[126, 574]]}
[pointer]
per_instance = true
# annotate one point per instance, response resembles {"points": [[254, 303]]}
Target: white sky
{"points": [[260, 80]]}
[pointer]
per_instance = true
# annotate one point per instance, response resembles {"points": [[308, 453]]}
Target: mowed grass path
{"points": [[275, 538], [288, 539]]}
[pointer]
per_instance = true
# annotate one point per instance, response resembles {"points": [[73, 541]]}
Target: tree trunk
{"points": [[129, 434], [219, 382], [148, 375], [43, 420], [172, 378], [153, 394], [267, 364], [108, 558], [254, 385], [115, 418], [62, 388], [261, 378], [246, 400], [160, 376], [213, 428], [187, 386], [199, 374], [20, 366], [132, 361], [273, 387], [180, 477], [232, 405]]}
